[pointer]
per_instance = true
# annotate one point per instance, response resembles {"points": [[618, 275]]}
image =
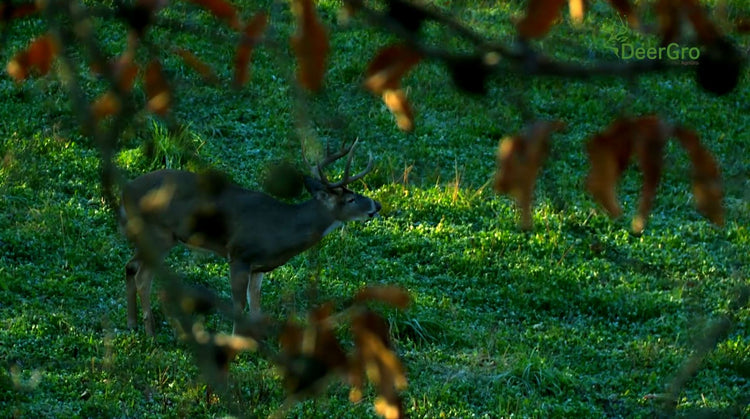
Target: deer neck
{"points": [[315, 219]]}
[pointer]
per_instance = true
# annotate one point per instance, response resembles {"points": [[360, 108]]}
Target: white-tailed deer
{"points": [[255, 232]]}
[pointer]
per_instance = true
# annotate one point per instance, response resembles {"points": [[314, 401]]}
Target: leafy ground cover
{"points": [[577, 318]]}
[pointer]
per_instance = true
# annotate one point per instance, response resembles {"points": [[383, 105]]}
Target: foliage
{"points": [[577, 318]]}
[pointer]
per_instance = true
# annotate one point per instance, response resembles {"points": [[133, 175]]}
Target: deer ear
{"points": [[317, 189], [313, 185]]}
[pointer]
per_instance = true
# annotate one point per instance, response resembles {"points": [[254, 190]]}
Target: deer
{"points": [[254, 231]]}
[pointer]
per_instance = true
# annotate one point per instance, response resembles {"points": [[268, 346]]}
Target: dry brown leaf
{"points": [[10, 11], [389, 409], [519, 159], [222, 10], [383, 369], [610, 153], [107, 104], [375, 359], [313, 352], [388, 67], [604, 173], [204, 70], [705, 29], [157, 90], [707, 187], [37, 58], [395, 296], [371, 322], [384, 75], [310, 45], [668, 12], [625, 10], [650, 135], [398, 104], [539, 18], [250, 37], [125, 72]]}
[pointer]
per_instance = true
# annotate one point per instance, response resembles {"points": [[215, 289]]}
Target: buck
{"points": [[254, 231]]}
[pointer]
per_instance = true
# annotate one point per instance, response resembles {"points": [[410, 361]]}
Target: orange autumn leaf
{"points": [[668, 13], [384, 77], [398, 104], [707, 187], [577, 8], [157, 91], [388, 67], [704, 28], [10, 11], [310, 45], [539, 17], [608, 156], [106, 105], [395, 296], [650, 136], [375, 358], [389, 407], [250, 37], [625, 10], [36, 58], [125, 72], [315, 340], [610, 153], [198, 65], [519, 159], [222, 10], [311, 353]]}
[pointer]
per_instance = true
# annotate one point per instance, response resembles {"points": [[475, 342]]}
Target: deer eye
{"points": [[350, 200]]}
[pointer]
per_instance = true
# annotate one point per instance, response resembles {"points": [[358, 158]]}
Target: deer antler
{"points": [[317, 169]]}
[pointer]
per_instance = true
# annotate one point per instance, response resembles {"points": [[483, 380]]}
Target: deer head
{"points": [[344, 204]]}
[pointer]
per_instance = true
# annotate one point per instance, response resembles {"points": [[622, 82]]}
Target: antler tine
{"points": [[317, 169], [349, 158], [330, 158], [349, 179]]}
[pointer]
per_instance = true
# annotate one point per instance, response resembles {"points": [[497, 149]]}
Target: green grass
{"points": [[578, 318]]}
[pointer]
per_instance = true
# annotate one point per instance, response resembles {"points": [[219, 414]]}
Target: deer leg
{"points": [[138, 279], [239, 274], [143, 279], [253, 292], [131, 269]]}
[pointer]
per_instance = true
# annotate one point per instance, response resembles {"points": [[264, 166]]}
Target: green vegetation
{"points": [[577, 318]]}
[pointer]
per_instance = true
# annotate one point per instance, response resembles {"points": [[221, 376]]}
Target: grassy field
{"points": [[577, 318]]}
